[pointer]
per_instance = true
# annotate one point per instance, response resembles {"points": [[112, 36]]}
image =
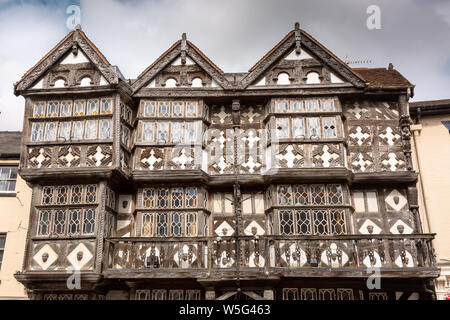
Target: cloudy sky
{"points": [[414, 35]]}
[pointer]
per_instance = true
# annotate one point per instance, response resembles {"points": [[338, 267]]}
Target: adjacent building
{"points": [[431, 135], [15, 199], [292, 181]]}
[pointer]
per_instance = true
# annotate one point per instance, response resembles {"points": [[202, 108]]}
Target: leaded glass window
{"points": [[301, 194], [286, 222], [162, 132], [191, 109], [148, 131], [79, 107], [162, 224], [147, 224], [148, 198], [36, 131], [312, 105], [106, 106], [62, 195], [91, 193], [318, 194], [162, 200], [39, 110], [105, 129], [178, 109], [59, 225], [303, 220], [74, 221], [149, 109], [298, 128], [191, 132], [92, 107], [47, 195], [191, 224], [64, 131], [75, 194], [44, 222], [177, 197], [91, 129], [327, 105], [191, 197], [177, 132], [163, 109], [125, 135], [282, 128], [335, 195], [77, 130], [297, 105], [89, 221], [313, 128], [52, 109], [320, 222], [66, 108], [284, 195], [329, 127], [176, 224], [282, 106], [50, 131], [337, 221]]}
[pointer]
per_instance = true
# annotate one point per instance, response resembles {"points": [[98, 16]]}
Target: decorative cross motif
{"points": [[251, 164], [250, 115], [222, 114], [391, 162], [182, 159], [389, 136], [327, 157], [356, 110], [251, 139], [362, 163], [359, 135], [151, 160], [289, 156]]}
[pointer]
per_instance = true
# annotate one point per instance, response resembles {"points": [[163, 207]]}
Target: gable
{"points": [[182, 66], [299, 59], [75, 61]]}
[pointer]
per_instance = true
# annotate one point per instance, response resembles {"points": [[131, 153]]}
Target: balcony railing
{"points": [[273, 254]]}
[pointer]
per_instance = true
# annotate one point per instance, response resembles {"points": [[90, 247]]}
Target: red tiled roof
{"points": [[381, 78], [430, 103]]}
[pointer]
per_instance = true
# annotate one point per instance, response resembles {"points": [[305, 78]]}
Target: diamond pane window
{"points": [[178, 109], [147, 224], [91, 193], [149, 109], [301, 194], [74, 221], [52, 109], [75, 196], [191, 224], [148, 198], [177, 132], [36, 131], [44, 222], [162, 200], [282, 128], [64, 131], [337, 221], [286, 222], [66, 108], [79, 107], [318, 194], [89, 221], [191, 197], [298, 128], [335, 195], [62, 195], [77, 130], [91, 129], [320, 222], [47, 195], [176, 224], [191, 109], [162, 134], [284, 195], [92, 107], [329, 127], [39, 110], [106, 106], [50, 131], [313, 128], [148, 131], [303, 220], [59, 225], [162, 224], [163, 109], [105, 129], [177, 197]]}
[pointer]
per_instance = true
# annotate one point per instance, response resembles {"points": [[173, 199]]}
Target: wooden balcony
{"points": [[271, 256]]}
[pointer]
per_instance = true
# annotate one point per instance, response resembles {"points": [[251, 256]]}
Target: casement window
{"points": [[170, 198], [106, 106], [177, 196], [66, 108], [177, 132], [282, 106], [52, 109], [296, 105], [327, 105], [91, 193], [329, 127], [126, 113], [75, 194], [313, 128], [37, 128], [282, 126], [163, 109], [91, 129], [365, 201], [39, 109], [8, 177], [105, 129], [44, 222], [191, 197], [177, 109], [149, 109], [162, 200], [314, 194], [253, 203], [2, 248], [60, 222], [191, 130], [77, 130], [222, 203], [191, 109], [312, 221], [312, 105], [125, 135], [110, 198], [74, 221], [89, 221], [163, 224], [162, 133], [306, 128], [62, 195], [50, 131], [173, 132], [64, 131], [298, 128], [148, 131], [79, 108], [92, 107]]}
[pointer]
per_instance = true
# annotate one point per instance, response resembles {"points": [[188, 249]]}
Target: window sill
{"points": [[8, 194]]}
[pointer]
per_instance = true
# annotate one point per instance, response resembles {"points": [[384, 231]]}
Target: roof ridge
{"points": [[159, 58]]}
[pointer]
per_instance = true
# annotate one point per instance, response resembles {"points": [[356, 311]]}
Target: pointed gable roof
{"points": [[299, 37], [171, 54], [75, 37]]}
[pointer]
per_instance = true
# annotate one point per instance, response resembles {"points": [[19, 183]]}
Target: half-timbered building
{"points": [[290, 181]]}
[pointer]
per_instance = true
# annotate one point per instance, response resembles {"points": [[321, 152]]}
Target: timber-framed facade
{"points": [[290, 181]]}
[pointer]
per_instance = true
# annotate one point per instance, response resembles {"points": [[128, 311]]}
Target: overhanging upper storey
{"points": [[182, 66]]}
